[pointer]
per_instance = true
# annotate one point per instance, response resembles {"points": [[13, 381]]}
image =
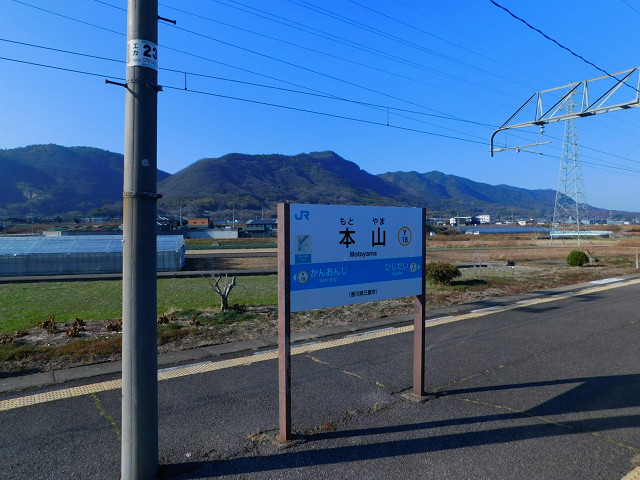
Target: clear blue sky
{"points": [[466, 59]]}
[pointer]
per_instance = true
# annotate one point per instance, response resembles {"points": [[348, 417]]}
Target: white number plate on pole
{"points": [[142, 53]]}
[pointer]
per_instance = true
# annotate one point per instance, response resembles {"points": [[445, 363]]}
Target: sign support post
{"points": [[418, 324], [284, 323]]}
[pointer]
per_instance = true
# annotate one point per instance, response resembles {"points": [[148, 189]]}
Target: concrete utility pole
{"points": [[139, 293]]}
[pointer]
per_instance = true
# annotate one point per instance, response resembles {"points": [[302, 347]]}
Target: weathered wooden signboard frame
{"points": [[330, 255]]}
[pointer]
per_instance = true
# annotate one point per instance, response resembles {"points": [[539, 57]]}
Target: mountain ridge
{"points": [[56, 180]]}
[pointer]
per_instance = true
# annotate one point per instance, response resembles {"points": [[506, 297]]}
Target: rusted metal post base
{"points": [[411, 397], [293, 439]]}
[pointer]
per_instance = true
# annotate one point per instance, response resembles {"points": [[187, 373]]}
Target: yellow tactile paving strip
{"points": [[633, 475], [59, 394], [302, 349]]}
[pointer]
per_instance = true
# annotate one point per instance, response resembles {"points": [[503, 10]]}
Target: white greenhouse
{"points": [[40, 255]]}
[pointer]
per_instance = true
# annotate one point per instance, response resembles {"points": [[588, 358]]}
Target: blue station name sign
{"points": [[340, 255]]}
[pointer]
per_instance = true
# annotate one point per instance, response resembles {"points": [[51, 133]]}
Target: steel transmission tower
{"points": [[571, 206]]}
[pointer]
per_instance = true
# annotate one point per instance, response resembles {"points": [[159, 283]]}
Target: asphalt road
{"points": [[542, 387]]}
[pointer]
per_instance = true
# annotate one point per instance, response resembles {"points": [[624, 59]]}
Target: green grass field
{"points": [[24, 305]]}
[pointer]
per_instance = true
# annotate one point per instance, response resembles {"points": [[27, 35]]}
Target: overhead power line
{"points": [[233, 66], [110, 5], [554, 40], [582, 146], [307, 69], [598, 166], [395, 38], [617, 169], [64, 69], [310, 70], [608, 165], [352, 44], [247, 100], [425, 32], [353, 62], [326, 114], [310, 92], [259, 85], [612, 168], [313, 31], [69, 18], [631, 7], [59, 50], [238, 47]]}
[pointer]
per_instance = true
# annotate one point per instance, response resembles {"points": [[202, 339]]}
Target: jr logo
{"points": [[303, 214]]}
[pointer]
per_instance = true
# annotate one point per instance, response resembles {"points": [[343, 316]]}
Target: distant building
{"points": [[198, 223], [261, 228], [52, 255], [484, 219], [459, 220], [436, 221]]}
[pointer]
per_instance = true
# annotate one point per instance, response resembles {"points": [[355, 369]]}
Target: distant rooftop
{"points": [[264, 221]]}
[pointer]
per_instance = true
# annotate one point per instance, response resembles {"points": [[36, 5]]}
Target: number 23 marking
{"points": [[150, 52]]}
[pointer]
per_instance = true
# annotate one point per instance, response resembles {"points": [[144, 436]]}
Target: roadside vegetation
{"points": [[577, 258], [50, 325], [442, 273], [25, 305]]}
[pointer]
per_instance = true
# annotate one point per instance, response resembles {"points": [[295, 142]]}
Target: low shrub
{"points": [[49, 325], [114, 326], [441, 272], [577, 258]]}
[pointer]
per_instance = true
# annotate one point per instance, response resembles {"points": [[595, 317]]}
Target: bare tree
{"points": [[223, 290]]}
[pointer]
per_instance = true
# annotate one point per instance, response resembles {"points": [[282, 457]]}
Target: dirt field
{"points": [[465, 249], [529, 247]]}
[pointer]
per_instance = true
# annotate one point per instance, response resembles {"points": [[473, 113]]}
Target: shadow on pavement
{"points": [[590, 394]]}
